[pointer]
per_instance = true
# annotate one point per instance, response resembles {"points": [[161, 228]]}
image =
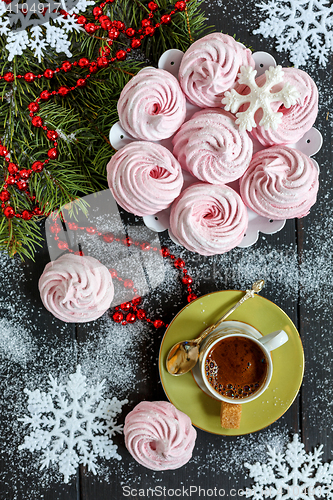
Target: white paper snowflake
{"points": [[71, 424], [38, 39], [260, 97], [303, 28], [296, 475]]}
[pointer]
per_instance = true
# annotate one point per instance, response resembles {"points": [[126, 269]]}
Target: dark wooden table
{"points": [[297, 266]]}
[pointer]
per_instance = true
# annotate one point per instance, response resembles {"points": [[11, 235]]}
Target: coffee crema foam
{"points": [[236, 367]]}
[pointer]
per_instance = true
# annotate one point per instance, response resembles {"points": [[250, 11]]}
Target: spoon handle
{"points": [[249, 294]]}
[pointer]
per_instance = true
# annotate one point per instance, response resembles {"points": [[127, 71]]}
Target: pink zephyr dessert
{"points": [[76, 288], [159, 436], [144, 178], [210, 67], [152, 106], [297, 119], [212, 148], [280, 183], [209, 219]]}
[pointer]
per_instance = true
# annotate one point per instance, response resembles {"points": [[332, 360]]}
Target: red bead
{"points": [[9, 77], [25, 174], [48, 73], [152, 6], [149, 31], [91, 28], [22, 185], [158, 323], [121, 55], [191, 297], [81, 82], [3, 151], [97, 11], [63, 245], [81, 20], [55, 229], [29, 77], [52, 153], [37, 166], [130, 32], [113, 273], [45, 95], [33, 107], [9, 212], [141, 314], [109, 237], [37, 211], [10, 180], [130, 318], [102, 62], [136, 301], [83, 62], [104, 51], [127, 241], [118, 317], [37, 121], [187, 280], [106, 24], [4, 195], [91, 230], [26, 215], [135, 43], [126, 306], [73, 226], [179, 263], [119, 25], [145, 23], [166, 19], [113, 33], [145, 246], [12, 168], [63, 91], [180, 5], [165, 252], [52, 135], [66, 66], [128, 283], [93, 68]]}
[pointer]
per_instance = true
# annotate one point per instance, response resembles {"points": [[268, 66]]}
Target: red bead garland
{"points": [[114, 29]]}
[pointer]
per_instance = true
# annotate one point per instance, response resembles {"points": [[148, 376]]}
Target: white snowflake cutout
{"points": [[303, 28], [294, 475], [71, 424], [260, 97]]}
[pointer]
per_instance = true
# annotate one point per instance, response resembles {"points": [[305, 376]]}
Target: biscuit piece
{"points": [[230, 415]]}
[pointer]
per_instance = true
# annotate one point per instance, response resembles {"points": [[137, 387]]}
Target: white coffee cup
{"points": [[228, 329]]}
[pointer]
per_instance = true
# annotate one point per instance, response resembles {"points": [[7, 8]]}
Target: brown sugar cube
{"points": [[230, 415]]}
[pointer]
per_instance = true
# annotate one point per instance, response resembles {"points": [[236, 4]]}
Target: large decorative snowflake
{"points": [[260, 98], [303, 28], [35, 35], [71, 424], [296, 475]]}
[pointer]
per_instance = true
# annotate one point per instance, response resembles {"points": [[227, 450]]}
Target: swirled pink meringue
{"points": [[76, 289], [209, 68], [280, 183], [152, 106], [144, 178], [212, 147], [209, 219], [297, 119], [159, 436]]}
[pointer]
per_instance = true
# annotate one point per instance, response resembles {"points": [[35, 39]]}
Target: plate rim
{"points": [[241, 433]]}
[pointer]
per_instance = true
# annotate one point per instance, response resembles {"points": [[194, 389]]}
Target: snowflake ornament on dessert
{"points": [[303, 28], [260, 98], [296, 475], [72, 424]]}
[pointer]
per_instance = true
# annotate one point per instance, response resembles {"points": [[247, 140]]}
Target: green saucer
{"points": [[288, 362]]}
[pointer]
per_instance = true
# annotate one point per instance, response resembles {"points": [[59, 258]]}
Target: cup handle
{"points": [[274, 340]]}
